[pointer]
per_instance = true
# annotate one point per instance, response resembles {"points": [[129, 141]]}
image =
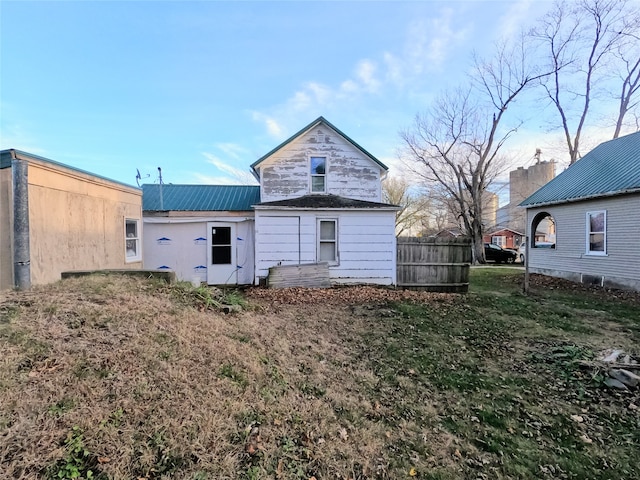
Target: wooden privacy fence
{"points": [[434, 264]]}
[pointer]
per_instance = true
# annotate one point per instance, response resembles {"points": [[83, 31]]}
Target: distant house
{"points": [[318, 201], [453, 232], [55, 218], [594, 209], [505, 237]]}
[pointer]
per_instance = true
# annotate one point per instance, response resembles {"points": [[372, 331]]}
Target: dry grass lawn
{"points": [[116, 377]]}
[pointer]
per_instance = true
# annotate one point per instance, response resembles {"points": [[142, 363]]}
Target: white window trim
{"points": [[588, 250], [335, 241], [500, 240], [137, 238], [324, 175]]}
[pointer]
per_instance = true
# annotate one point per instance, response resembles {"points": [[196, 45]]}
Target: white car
{"points": [[521, 250]]}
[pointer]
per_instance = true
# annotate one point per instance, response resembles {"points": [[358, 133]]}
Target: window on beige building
{"points": [[132, 240]]}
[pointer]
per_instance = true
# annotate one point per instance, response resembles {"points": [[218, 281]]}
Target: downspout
{"points": [[21, 249]]}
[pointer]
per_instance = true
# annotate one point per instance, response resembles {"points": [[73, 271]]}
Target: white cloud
{"points": [[274, 128], [366, 73], [518, 15], [428, 45], [233, 150], [235, 176]]}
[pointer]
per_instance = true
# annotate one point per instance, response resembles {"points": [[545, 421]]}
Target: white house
{"points": [[594, 207], [319, 200]]}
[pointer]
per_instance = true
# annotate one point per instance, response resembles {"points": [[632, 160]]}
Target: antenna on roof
{"points": [[140, 177], [160, 185]]}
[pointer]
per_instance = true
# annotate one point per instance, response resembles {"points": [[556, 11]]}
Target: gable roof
{"points": [[325, 201], [612, 168], [504, 229], [313, 124], [200, 198]]}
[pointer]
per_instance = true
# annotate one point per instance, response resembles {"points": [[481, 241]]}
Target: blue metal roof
{"points": [[200, 198], [612, 168]]}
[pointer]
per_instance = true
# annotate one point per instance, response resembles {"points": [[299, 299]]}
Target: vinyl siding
{"points": [[620, 266], [366, 243]]}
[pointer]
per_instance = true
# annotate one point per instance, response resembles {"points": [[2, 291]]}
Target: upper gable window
{"points": [[597, 233], [318, 174]]}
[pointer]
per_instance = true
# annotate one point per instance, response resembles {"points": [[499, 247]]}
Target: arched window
{"points": [[543, 231]]}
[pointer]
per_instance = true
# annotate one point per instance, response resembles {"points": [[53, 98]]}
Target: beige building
{"points": [[522, 183], [56, 218]]}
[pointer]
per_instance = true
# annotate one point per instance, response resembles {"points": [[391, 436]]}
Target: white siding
{"points": [[185, 253], [620, 266], [350, 173], [366, 243]]}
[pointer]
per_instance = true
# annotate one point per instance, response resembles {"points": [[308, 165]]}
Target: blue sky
{"points": [[203, 89]]}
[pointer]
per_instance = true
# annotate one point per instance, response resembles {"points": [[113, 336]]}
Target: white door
{"points": [[221, 254]]}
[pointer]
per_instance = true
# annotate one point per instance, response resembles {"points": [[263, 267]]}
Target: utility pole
{"points": [[160, 181]]}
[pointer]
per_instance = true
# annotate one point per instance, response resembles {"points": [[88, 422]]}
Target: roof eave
{"points": [[581, 199], [22, 155], [313, 124]]}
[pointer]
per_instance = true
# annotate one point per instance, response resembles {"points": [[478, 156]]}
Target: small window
{"points": [[132, 240], [597, 233], [328, 241], [318, 174]]}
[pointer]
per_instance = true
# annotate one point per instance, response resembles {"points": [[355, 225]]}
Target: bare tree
{"points": [[583, 40], [455, 146], [415, 205], [629, 57]]}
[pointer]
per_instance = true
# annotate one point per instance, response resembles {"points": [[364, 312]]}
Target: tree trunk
{"points": [[477, 243]]}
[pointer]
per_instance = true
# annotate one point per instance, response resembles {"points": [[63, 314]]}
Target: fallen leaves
{"points": [[344, 295], [253, 445]]}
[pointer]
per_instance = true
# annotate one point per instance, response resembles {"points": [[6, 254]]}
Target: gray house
{"points": [[592, 211]]}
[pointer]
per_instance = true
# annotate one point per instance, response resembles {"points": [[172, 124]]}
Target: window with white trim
{"points": [[328, 241], [500, 240], [318, 174], [132, 240], [597, 232]]}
